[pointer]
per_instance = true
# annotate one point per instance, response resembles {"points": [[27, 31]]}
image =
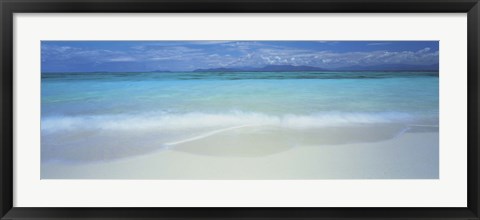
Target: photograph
{"points": [[239, 109]]}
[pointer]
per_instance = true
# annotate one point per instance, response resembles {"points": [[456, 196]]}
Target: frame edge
{"points": [[8, 8]]}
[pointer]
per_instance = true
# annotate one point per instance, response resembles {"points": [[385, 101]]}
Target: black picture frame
{"points": [[9, 7]]}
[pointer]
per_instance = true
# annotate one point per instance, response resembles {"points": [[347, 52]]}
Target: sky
{"points": [[142, 56]]}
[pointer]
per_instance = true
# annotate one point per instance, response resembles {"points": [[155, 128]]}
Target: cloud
{"points": [[424, 50], [210, 54], [122, 59], [331, 59], [207, 42], [64, 53]]}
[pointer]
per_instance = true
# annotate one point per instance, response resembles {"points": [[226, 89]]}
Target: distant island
{"points": [[269, 68], [292, 68]]}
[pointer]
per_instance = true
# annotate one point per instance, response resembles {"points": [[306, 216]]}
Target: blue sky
{"points": [[138, 56]]}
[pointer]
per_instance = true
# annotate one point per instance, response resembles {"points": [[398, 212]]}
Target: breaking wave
{"points": [[169, 121]]}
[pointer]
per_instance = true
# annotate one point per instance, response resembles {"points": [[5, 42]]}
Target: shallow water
{"points": [[106, 116]]}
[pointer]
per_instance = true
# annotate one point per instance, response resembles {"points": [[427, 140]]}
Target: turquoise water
{"points": [[81, 108]]}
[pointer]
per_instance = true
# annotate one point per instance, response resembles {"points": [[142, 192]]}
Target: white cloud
{"points": [[121, 59], [424, 50], [207, 42], [235, 54]]}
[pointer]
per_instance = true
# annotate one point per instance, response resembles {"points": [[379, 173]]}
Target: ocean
{"points": [[102, 117]]}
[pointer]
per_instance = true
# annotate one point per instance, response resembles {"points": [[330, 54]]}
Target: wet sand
{"points": [[391, 153]]}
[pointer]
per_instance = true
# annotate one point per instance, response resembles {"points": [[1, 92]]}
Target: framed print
{"points": [[230, 109]]}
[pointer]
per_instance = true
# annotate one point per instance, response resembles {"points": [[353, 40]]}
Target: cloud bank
{"points": [[190, 55]]}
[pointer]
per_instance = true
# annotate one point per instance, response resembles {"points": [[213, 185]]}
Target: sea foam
{"points": [[175, 122]]}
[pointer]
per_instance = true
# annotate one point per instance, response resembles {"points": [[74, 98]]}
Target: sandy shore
{"points": [[411, 155]]}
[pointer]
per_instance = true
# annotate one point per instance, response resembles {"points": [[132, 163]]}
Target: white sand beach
{"points": [[268, 154]]}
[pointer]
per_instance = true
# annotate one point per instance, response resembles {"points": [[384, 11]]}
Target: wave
{"points": [[197, 120]]}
